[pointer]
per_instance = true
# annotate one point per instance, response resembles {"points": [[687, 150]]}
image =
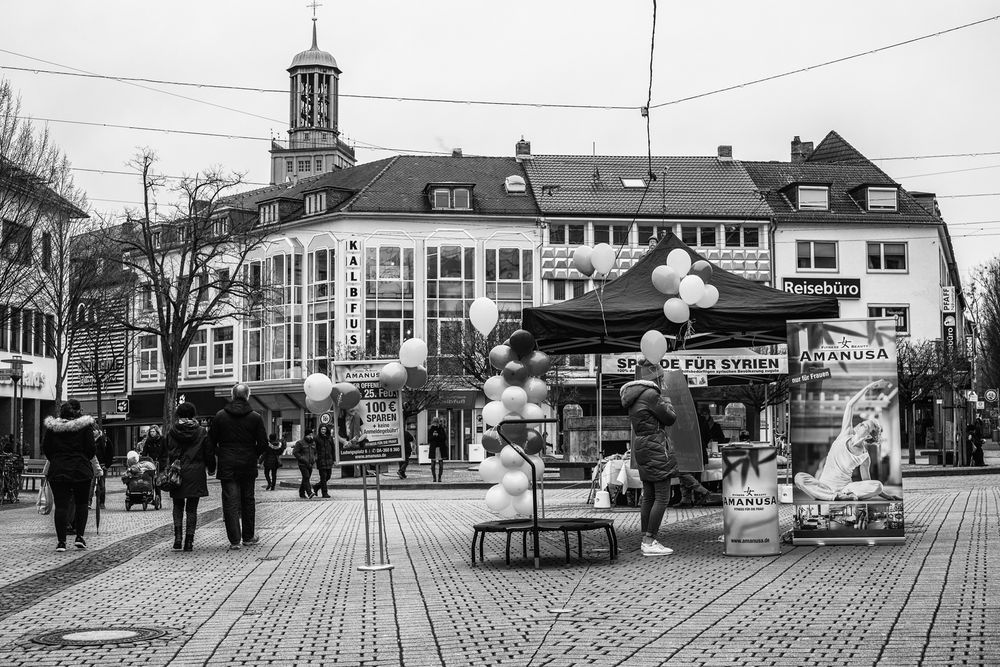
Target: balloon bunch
{"points": [[409, 371], [515, 393], [686, 284], [600, 259], [322, 394]]}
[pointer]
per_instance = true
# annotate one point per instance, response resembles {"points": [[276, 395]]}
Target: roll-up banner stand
{"points": [[750, 500], [845, 434]]}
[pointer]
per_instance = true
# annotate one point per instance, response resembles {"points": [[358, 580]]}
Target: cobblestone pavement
{"points": [[298, 597]]}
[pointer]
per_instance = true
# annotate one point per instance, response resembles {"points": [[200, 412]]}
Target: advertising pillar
{"points": [[750, 500]]}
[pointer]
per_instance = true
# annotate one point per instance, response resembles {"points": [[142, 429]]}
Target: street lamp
{"points": [[17, 365]]}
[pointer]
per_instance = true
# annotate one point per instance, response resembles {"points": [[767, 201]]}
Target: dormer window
{"points": [[515, 185], [814, 198], [451, 198], [882, 199], [268, 213], [220, 226], [315, 203]]}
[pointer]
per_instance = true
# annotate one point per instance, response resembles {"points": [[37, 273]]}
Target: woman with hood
{"points": [[68, 444], [187, 442], [650, 413]]}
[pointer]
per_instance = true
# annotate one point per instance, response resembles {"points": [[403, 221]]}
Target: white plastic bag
{"points": [[44, 503]]}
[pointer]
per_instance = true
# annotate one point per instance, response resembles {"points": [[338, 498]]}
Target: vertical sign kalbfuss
{"points": [[353, 293], [845, 437]]}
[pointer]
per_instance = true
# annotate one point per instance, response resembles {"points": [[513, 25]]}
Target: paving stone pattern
{"points": [[298, 597]]}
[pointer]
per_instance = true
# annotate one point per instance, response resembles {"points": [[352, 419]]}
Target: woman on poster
{"points": [[849, 452]]}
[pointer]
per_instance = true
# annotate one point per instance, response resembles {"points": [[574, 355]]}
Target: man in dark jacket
{"points": [[238, 439], [305, 455]]}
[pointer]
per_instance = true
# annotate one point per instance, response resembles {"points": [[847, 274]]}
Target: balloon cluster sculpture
{"points": [[409, 371], [516, 392], [322, 394]]}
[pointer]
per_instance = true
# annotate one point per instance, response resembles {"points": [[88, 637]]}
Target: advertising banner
{"points": [[750, 500], [721, 362], [375, 426], [844, 433]]}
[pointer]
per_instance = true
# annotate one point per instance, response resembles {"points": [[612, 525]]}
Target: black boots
{"points": [[189, 541], [178, 531]]}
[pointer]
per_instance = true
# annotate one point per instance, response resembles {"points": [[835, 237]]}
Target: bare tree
{"points": [[465, 353], [984, 299], [190, 270]]}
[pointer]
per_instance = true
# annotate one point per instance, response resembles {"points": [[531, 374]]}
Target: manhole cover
{"points": [[97, 636]]}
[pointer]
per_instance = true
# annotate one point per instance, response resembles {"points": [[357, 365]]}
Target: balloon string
{"points": [[600, 302]]}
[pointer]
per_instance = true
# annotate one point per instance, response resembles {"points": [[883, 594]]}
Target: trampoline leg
{"points": [[508, 548], [566, 542], [579, 543]]}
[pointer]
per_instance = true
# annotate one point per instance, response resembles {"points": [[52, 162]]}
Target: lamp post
{"points": [[17, 365]]}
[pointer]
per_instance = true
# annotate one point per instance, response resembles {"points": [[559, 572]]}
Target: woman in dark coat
{"points": [[324, 459], [187, 442], [68, 444], [271, 458], [649, 414]]}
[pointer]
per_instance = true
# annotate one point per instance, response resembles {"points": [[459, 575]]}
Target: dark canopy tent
{"points": [[614, 318]]}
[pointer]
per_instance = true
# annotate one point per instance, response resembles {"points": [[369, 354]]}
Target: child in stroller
{"points": [[140, 485]]}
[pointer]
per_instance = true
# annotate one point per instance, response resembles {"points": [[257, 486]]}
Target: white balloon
{"points": [[317, 386], [709, 298], [539, 466], [413, 352], [510, 459], [497, 498], [676, 311], [692, 288], [532, 411], [679, 261], [515, 482], [581, 260], [492, 470], [494, 386], [603, 258], [536, 389], [493, 413], [507, 512], [523, 504], [653, 346], [484, 315], [514, 398], [666, 280]]}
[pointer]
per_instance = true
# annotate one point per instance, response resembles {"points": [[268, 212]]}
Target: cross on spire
{"points": [[314, 5]]}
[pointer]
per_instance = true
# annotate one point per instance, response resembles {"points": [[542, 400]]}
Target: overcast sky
{"points": [[931, 97]]}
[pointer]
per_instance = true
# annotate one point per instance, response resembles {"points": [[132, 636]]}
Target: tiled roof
{"points": [[834, 148], [773, 177], [401, 188], [685, 186]]}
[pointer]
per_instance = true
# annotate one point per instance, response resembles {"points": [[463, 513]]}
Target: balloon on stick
{"points": [[493, 387], [679, 261], [703, 270], [603, 258], [676, 311], [413, 352], [416, 377], [653, 346], [484, 315], [692, 288], [392, 377], [501, 355], [582, 260], [317, 386], [709, 298], [666, 280], [522, 342]]}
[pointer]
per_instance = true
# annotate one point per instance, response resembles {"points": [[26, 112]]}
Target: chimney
{"points": [[522, 150], [801, 150], [928, 201], [725, 153], [456, 152]]}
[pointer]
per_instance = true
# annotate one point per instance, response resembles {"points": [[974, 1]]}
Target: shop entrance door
{"points": [[454, 425]]}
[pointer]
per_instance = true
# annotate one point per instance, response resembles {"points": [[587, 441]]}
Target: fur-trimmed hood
{"points": [[60, 425], [631, 391]]}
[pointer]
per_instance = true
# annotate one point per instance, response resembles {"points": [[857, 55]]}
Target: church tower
{"points": [[314, 144]]}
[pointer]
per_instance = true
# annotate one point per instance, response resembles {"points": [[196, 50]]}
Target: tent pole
{"points": [[600, 411]]}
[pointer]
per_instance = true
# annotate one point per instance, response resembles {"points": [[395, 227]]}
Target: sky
{"points": [[931, 97]]}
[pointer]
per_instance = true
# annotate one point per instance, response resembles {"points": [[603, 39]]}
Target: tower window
{"points": [[289, 166], [305, 165], [319, 165]]}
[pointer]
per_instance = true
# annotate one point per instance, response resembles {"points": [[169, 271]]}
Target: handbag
{"points": [[44, 502], [170, 479]]}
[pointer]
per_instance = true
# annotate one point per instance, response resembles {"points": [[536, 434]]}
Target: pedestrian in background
{"points": [[407, 452], [437, 439], [68, 444], [238, 438], [324, 460], [105, 457], [272, 461], [305, 455], [187, 442]]}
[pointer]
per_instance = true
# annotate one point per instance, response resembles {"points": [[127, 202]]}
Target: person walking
{"points": [[68, 444], [437, 439], [153, 448], [272, 461], [238, 438], [407, 453], [324, 460], [305, 454], [187, 442], [650, 413], [105, 457]]}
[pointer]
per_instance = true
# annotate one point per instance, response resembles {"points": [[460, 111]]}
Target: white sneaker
{"points": [[655, 549]]}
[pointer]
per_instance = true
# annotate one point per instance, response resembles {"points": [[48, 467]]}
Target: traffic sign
{"points": [[121, 405], [991, 396]]}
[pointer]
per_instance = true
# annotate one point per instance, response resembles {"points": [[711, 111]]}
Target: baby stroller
{"points": [[140, 487]]}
